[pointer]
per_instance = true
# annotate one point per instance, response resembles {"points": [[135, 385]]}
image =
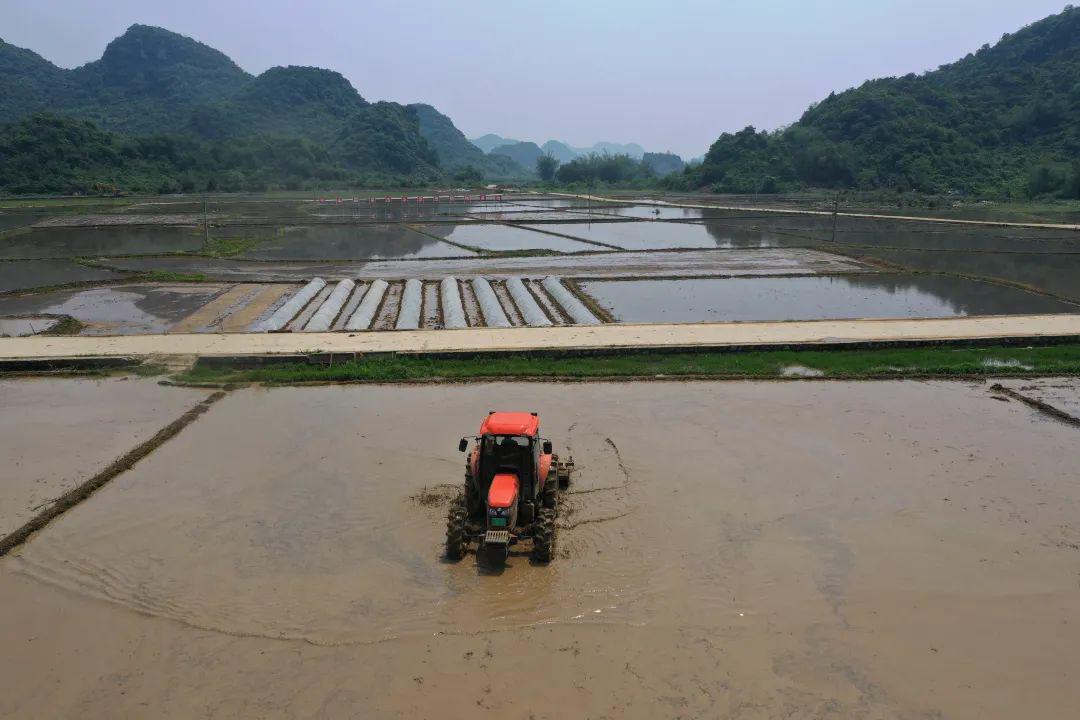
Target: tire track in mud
{"points": [[590, 521], [569, 509], [627, 480], [81, 492]]}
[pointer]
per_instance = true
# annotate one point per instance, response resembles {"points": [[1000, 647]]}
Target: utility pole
{"points": [[835, 215], [205, 224]]}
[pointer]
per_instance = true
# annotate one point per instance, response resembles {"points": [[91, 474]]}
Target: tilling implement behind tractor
{"points": [[512, 483]]}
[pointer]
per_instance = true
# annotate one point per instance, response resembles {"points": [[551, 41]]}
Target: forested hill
{"points": [[454, 150], [153, 83], [1004, 120]]}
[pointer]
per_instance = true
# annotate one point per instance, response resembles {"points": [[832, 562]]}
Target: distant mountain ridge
{"points": [[151, 81], [561, 151]]}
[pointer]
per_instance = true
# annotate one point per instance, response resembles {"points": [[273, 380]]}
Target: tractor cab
{"points": [[509, 443], [512, 480]]}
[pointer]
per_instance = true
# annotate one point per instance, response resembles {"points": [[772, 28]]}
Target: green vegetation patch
{"points": [[225, 247], [762, 364], [170, 276]]}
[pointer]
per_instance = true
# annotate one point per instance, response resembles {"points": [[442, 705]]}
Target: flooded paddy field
{"points": [[100, 241], [1058, 274], [495, 237], [24, 274], [631, 235], [880, 295], [924, 269], [282, 556], [138, 308], [57, 433], [350, 242], [12, 219]]}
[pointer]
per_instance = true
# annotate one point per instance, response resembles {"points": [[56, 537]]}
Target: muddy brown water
{"points": [[57, 433], [723, 552]]}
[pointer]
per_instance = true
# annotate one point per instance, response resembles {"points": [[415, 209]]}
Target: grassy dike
{"points": [[919, 362]]}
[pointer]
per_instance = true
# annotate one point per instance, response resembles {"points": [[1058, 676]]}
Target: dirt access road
{"points": [[523, 339], [740, 550]]}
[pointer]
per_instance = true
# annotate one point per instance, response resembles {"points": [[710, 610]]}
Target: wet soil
{"points": [[388, 310], [473, 316], [815, 298], [507, 303], [723, 552], [119, 309], [27, 325], [432, 317]]}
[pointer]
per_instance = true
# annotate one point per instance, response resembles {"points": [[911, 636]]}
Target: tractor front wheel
{"points": [[457, 530], [544, 536]]}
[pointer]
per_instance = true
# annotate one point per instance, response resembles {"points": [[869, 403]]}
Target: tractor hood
{"points": [[503, 491]]}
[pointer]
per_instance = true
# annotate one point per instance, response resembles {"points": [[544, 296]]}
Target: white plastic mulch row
{"points": [[494, 315], [294, 305], [411, 299], [326, 314], [526, 303], [576, 309], [365, 312], [338, 303], [452, 310]]}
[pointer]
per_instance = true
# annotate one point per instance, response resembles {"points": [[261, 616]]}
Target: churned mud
{"points": [[742, 550]]}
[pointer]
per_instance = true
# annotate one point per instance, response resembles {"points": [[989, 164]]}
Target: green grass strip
{"points": [[765, 364]]}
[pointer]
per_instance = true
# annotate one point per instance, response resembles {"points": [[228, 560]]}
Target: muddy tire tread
{"points": [[457, 539]]}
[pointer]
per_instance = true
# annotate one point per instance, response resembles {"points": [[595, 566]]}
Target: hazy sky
{"points": [[669, 74]]}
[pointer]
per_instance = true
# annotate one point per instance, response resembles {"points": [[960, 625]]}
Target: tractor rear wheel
{"points": [[544, 536], [457, 530], [474, 506], [551, 490]]}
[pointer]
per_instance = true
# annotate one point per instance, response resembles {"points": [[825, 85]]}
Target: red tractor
{"points": [[512, 483]]}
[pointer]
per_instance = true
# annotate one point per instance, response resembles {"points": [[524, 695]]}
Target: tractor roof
{"points": [[510, 423]]}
